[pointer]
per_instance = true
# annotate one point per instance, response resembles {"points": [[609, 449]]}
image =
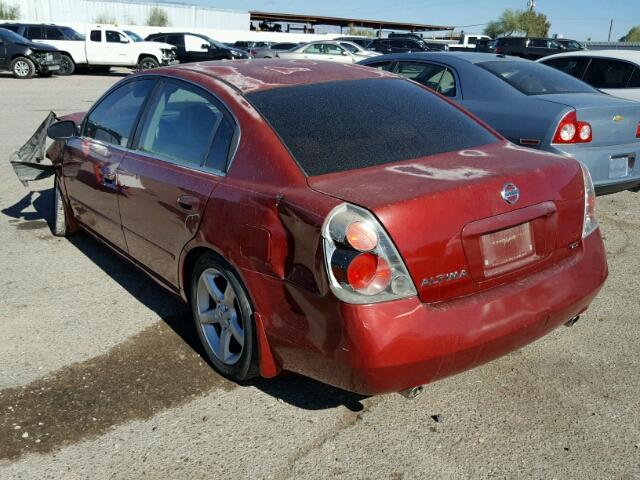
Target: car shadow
{"points": [[35, 210]]}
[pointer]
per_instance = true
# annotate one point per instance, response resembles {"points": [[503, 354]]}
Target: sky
{"points": [[578, 19]]}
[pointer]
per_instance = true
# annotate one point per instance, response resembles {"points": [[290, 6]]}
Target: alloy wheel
{"points": [[21, 68], [219, 316]]}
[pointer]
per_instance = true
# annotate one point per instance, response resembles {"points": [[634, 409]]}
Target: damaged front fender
{"points": [[27, 162]]}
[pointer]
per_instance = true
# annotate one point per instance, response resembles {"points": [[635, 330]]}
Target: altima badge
{"points": [[510, 193], [444, 278], [618, 118]]}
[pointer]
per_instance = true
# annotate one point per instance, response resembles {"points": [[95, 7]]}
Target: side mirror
{"points": [[124, 40], [63, 130], [205, 46]]}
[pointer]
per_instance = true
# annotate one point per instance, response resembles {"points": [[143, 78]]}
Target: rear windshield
{"points": [[535, 79], [337, 126]]}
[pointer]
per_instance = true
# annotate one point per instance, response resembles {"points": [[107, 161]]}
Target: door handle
{"points": [[187, 203]]}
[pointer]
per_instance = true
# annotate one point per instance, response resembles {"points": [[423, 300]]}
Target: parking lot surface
{"points": [[102, 375]]}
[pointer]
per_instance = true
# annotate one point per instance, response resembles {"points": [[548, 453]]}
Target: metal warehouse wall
{"points": [[86, 11]]}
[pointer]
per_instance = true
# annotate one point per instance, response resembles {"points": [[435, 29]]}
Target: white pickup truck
{"points": [[467, 42], [104, 46]]}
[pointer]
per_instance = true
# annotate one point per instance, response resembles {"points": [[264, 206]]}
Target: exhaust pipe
{"points": [[572, 321], [412, 392]]}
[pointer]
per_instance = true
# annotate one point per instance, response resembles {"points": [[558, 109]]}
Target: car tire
{"points": [[147, 63], [223, 318], [60, 224], [67, 66], [22, 68]]}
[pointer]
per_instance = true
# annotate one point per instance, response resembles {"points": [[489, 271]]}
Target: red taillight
{"points": [[252, 53], [368, 273], [570, 130], [638, 130], [499, 50]]}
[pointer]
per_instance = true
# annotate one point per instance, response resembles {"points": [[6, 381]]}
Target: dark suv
{"points": [[397, 45], [528, 47], [194, 47], [24, 58]]}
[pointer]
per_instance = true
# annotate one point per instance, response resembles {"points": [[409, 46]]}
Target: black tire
{"points": [[67, 65], [147, 63], [241, 365], [60, 224], [22, 68]]}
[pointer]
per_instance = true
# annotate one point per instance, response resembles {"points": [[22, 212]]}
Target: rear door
{"points": [[91, 160], [180, 156]]}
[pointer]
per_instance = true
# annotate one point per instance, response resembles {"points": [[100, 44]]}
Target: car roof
{"points": [[447, 57], [262, 74], [630, 55]]}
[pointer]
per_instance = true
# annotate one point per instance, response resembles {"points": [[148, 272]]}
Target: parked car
{"points": [[468, 42], [105, 46], [270, 52], [536, 106], [248, 45], [397, 45], [486, 45], [332, 220], [24, 59], [194, 47], [327, 50], [569, 44], [531, 48], [362, 41], [616, 72]]}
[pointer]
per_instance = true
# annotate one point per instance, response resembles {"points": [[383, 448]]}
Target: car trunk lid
{"points": [[455, 232], [613, 121]]}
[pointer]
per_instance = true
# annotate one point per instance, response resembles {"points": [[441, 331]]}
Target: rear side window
{"points": [[606, 73], [176, 40], [13, 28], [180, 125], [96, 36], [534, 78], [635, 79], [113, 119], [337, 126], [436, 77], [54, 33], [574, 66], [34, 33]]}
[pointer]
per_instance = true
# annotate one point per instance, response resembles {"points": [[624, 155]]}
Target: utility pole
{"points": [[610, 28], [531, 5]]}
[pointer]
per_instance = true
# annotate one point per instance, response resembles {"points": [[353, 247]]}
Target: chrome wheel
{"points": [[148, 63], [21, 68], [219, 316]]}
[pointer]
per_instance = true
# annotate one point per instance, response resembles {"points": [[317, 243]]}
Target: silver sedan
{"points": [[333, 51]]}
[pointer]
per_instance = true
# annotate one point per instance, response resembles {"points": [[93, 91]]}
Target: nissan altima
{"points": [[538, 107], [333, 220]]}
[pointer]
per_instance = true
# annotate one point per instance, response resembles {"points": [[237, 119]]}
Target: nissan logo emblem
{"points": [[510, 193]]}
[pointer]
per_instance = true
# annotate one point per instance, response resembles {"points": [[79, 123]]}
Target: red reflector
{"points": [[638, 131], [507, 249]]}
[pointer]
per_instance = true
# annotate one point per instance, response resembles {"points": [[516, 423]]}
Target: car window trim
{"points": [[570, 58], [224, 109]]}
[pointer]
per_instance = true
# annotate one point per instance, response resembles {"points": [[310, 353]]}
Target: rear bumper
{"points": [[597, 161], [396, 345]]}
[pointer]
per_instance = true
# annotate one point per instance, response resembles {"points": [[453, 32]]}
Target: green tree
{"points": [[157, 18], [9, 12], [519, 22], [632, 36]]}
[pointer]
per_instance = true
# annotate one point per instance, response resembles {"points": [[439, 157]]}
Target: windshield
{"points": [[134, 36], [535, 79], [344, 125], [12, 37], [71, 34], [213, 42]]}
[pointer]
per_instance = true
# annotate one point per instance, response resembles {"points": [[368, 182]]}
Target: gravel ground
{"points": [[102, 377]]}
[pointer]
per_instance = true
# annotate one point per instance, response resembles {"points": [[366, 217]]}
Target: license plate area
{"points": [[507, 249], [619, 166]]}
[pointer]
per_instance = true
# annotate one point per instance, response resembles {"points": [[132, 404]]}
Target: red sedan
{"points": [[332, 220]]}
